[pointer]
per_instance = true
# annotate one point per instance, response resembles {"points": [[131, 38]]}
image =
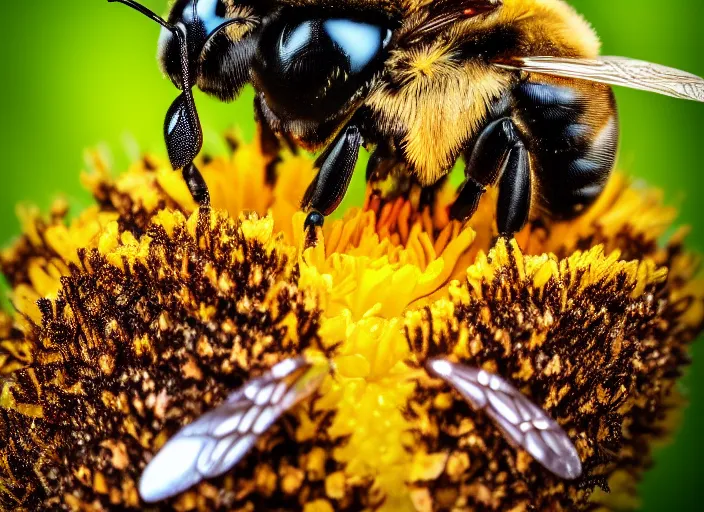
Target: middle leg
{"points": [[269, 141], [336, 166]]}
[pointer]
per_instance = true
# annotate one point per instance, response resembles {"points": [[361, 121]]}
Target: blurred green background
{"points": [[80, 74]]}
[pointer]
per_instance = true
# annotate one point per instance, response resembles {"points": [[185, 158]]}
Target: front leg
{"points": [[182, 131], [389, 177], [336, 166], [184, 139], [196, 185]]}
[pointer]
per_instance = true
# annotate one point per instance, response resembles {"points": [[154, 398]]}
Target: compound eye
{"points": [[360, 42], [200, 19], [211, 14], [310, 69]]}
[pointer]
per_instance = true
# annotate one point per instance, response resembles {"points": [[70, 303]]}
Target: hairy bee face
{"points": [[309, 68]]}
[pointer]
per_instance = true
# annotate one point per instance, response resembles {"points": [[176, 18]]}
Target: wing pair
{"points": [[214, 443]]}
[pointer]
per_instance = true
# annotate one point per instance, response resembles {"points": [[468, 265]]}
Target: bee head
{"points": [[213, 29], [310, 64]]}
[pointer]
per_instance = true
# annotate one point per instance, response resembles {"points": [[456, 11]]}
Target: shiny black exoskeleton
{"points": [[308, 69], [288, 66], [541, 143]]}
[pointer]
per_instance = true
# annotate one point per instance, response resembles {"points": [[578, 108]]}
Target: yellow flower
{"points": [[141, 313]]}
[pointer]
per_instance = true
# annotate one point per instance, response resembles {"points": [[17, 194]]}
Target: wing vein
{"points": [[621, 71]]}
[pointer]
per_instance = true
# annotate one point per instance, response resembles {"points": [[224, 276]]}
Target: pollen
{"points": [[139, 314]]}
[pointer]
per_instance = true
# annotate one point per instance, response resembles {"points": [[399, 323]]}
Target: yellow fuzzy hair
{"points": [[442, 103]]}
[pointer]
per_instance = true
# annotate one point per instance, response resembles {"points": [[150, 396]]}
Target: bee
{"points": [[515, 88]]}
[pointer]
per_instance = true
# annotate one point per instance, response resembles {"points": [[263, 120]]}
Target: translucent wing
{"points": [[215, 442], [524, 424], [636, 74]]}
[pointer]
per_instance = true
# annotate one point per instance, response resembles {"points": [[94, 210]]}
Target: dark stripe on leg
{"points": [[513, 207]]}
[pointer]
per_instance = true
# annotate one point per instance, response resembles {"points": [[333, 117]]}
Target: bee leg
{"points": [[336, 166], [196, 185], [467, 202], [314, 221], [381, 163], [387, 174], [429, 193], [513, 206], [485, 165], [182, 130], [270, 142], [184, 140]]}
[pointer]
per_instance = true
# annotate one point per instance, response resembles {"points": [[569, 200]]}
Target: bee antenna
{"points": [[149, 14], [184, 101], [176, 31]]}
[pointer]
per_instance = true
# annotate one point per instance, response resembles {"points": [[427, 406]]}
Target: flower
{"points": [[141, 313]]}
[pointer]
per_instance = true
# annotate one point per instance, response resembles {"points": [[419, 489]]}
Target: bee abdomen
{"points": [[572, 135]]}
